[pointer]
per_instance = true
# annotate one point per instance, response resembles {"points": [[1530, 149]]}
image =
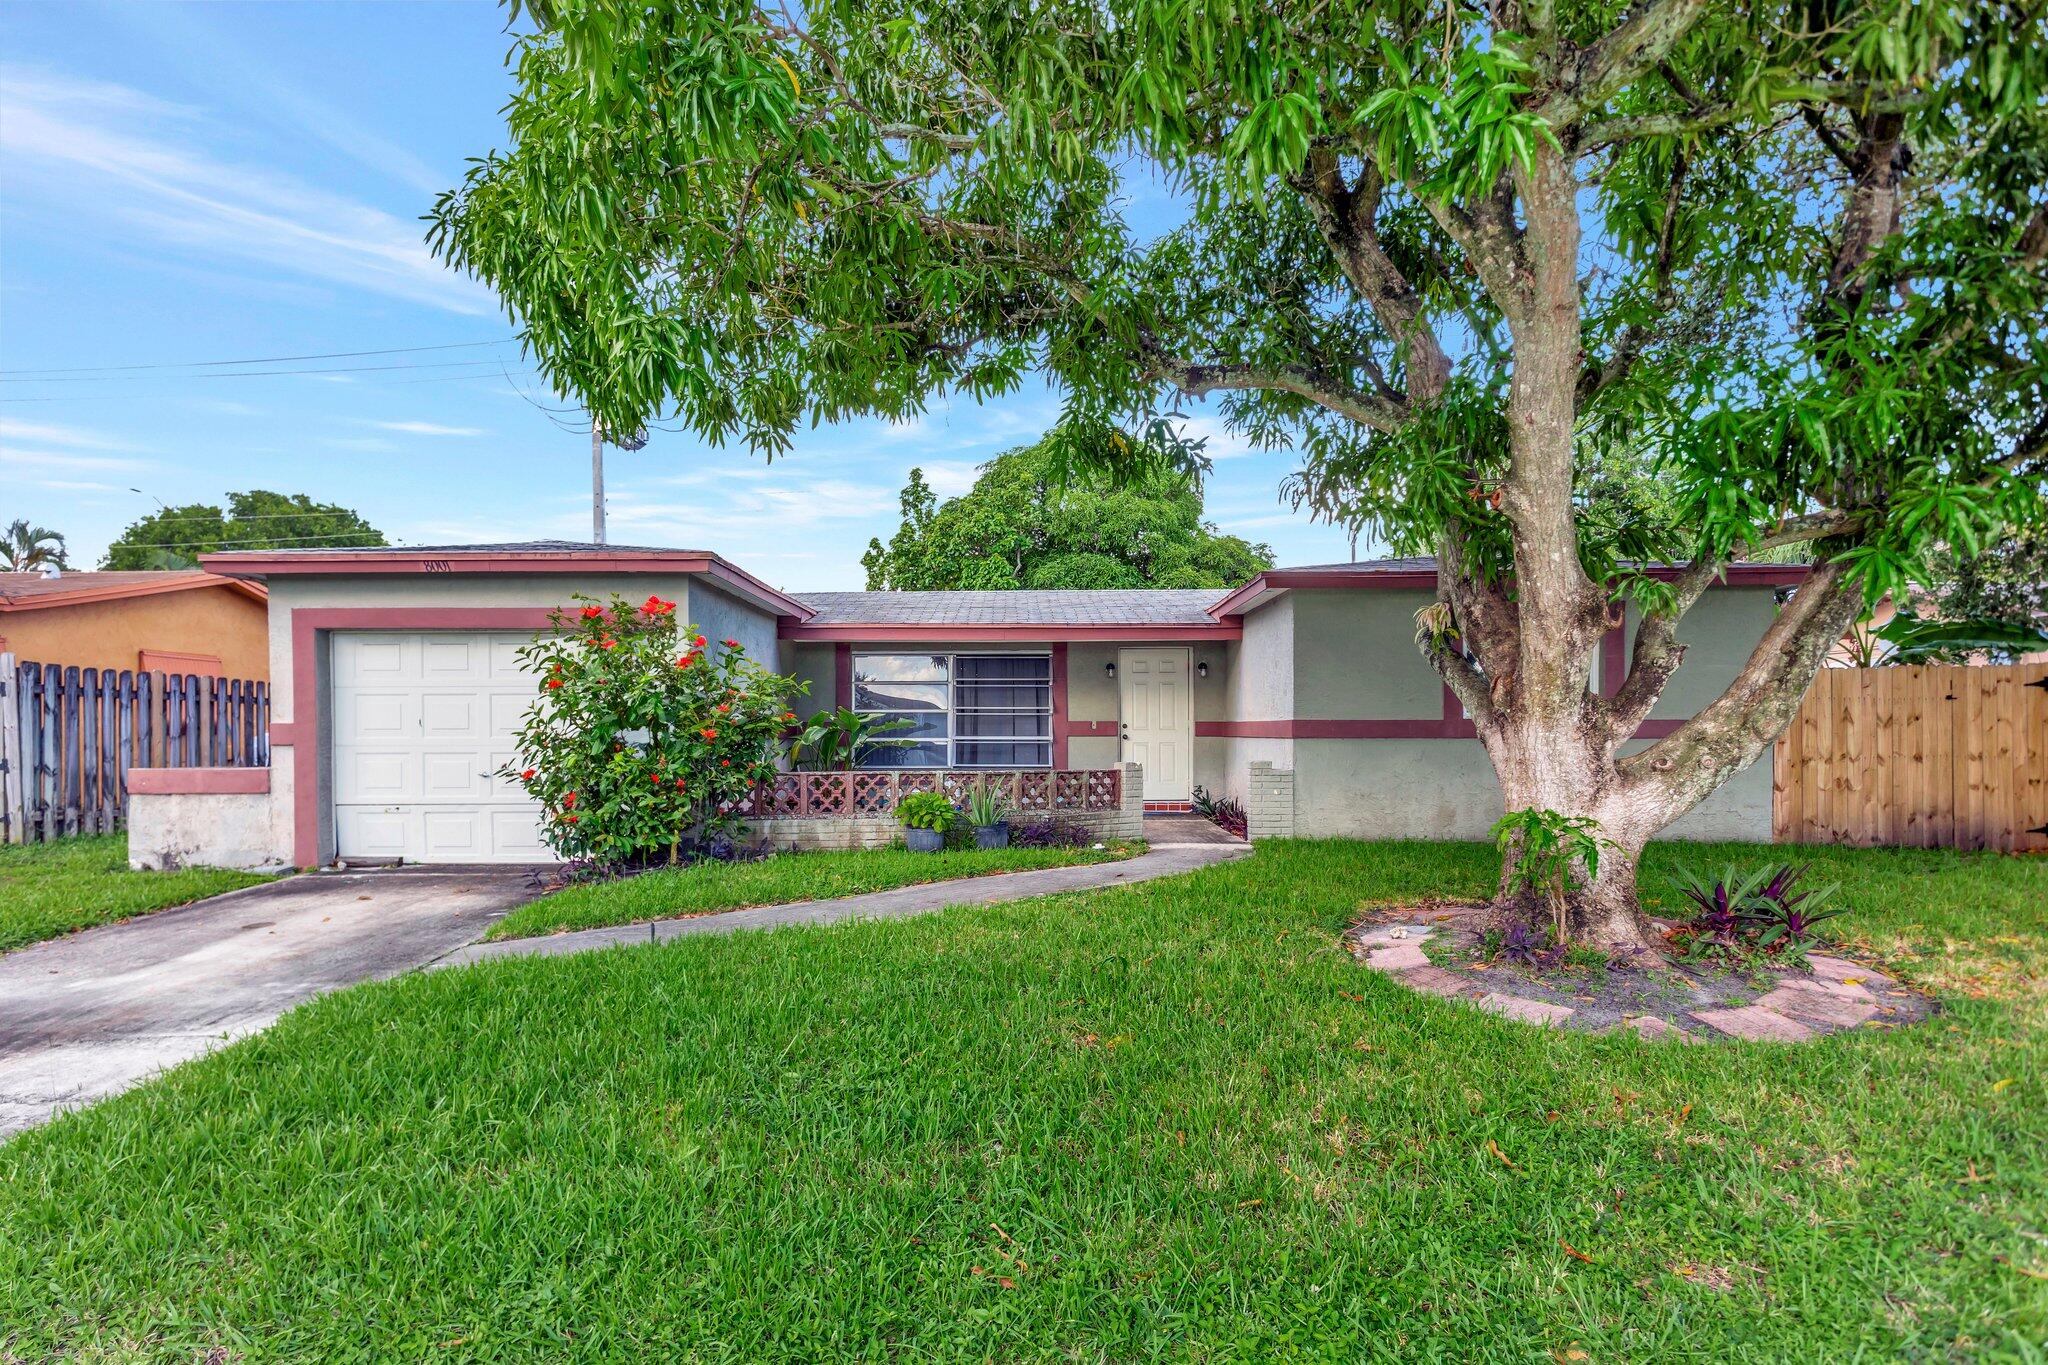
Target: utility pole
{"points": [[596, 480]]}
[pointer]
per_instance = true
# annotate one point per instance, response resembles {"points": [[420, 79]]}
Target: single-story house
{"points": [[171, 621], [395, 692]]}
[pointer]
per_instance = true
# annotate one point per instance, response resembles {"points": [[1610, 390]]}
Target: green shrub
{"points": [[642, 742], [926, 810]]}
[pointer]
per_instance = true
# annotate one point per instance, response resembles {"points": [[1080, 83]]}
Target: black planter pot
{"points": [[992, 836], [924, 840]]}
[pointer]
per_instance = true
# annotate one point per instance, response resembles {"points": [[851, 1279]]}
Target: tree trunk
{"points": [[1565, 770]]}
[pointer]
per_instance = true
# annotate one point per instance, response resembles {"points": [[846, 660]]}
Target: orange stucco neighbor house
{"points": [[175, 621]]}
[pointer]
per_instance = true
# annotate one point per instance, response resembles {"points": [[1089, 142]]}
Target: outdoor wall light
{"points": [[1110, 668], [1202, 669]]}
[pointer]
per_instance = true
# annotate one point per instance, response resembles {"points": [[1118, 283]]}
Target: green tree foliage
{"points": [[25, 548], [2005, 588], [1449, 253], [1029, 522], [644, 735], [258, 519]]}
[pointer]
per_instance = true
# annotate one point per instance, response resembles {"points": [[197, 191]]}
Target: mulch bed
{"points": [[1440, 950]]}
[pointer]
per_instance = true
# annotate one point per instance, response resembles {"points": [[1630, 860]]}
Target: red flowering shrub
{"points": [[638, 736]]}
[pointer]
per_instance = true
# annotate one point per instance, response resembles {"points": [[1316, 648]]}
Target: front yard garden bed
{"points": [[714, 887], [1455, 952]]}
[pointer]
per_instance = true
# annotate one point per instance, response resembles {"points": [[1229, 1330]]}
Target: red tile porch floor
{"points": [[1178, 831]]}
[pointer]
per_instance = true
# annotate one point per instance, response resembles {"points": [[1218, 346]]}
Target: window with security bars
{"points": [[958, 710]]}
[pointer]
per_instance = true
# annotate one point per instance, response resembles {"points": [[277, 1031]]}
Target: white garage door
{"points": [[421, 722]]}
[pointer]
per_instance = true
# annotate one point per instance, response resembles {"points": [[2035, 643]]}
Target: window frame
{"points": [[952, 709]]}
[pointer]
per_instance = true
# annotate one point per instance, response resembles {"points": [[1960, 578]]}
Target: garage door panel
{"points": [[374, 774], [515, 837], [455, 658], [458, 775], [506, 710], [372, 832], [504, 660], [381, 715], [422, 723], [375, 658]]}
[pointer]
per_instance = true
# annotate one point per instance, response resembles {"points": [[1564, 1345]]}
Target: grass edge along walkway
{"points": [[894, 903], [779, 879]]}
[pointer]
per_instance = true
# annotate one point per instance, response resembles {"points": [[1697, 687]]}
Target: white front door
{"points": [[1159, 719], [422, 721]]}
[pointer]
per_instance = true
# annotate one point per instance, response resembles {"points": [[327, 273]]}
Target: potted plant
{"points": [[986, 808], [925, 817]]}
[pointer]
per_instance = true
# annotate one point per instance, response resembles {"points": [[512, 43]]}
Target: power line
{"points": [[262, 360], [249, 540], [255, 374]]}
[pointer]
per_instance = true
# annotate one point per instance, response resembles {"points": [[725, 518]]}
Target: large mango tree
{"points": [[1480, 264]]}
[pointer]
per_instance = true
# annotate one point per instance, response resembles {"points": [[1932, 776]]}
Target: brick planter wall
{"points": [[1269, 802]]}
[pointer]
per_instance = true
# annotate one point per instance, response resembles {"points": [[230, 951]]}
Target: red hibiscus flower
{"points": [[697, 640], [730, 644], [569, 800], [686, 661], [528, 775], [725, 763], [679, 784], [654, 606], [708, 733], [593, 613], [723, 707], [571, 819], [554, 683], [655, 778]]}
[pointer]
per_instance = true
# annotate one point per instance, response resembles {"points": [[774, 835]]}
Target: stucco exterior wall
{"points": [[1355, 657], [1718, 635], [721, 616], [810, 661], [1353, 660], [191, 829], [1258, 684], [112, 634]]}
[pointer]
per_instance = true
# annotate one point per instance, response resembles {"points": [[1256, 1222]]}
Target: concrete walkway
{"points": [[897, 904], [89, 1015]]}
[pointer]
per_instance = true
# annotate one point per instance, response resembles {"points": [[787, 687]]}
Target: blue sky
{"points": [[195, 183]]}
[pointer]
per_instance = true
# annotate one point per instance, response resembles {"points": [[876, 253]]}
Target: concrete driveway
{"points": [[86, 1016]]}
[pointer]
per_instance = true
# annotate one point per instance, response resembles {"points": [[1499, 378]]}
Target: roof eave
{"points": [[262, 565], [885, 632], [115, 592], [1270, 584]]}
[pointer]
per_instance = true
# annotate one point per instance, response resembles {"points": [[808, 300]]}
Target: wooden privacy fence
{"points": [[69, 735], [1924, 755]]}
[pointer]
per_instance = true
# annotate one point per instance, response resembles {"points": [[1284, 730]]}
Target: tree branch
{"points": [[1326, 390], [1642, 41], [1347, 218]]}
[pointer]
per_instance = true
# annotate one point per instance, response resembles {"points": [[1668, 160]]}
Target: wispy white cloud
{"points": [[49, 461], [950, 478], [426, 429], [51, 433], [213, 53], [125, 157]]}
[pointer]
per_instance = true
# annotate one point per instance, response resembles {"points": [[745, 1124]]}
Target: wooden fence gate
{"points": [[68, 737], [1921, 755]]}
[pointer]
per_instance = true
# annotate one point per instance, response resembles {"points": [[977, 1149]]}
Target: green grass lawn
{"points": [[1170, 1121], [54, 888], [710, 887]]}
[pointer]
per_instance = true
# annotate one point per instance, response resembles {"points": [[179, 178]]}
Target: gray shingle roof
{"points": [[555, 547], [1075, 607]]}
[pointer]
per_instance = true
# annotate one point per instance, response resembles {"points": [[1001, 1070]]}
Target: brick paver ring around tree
{"points": [[1436, 951]]}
